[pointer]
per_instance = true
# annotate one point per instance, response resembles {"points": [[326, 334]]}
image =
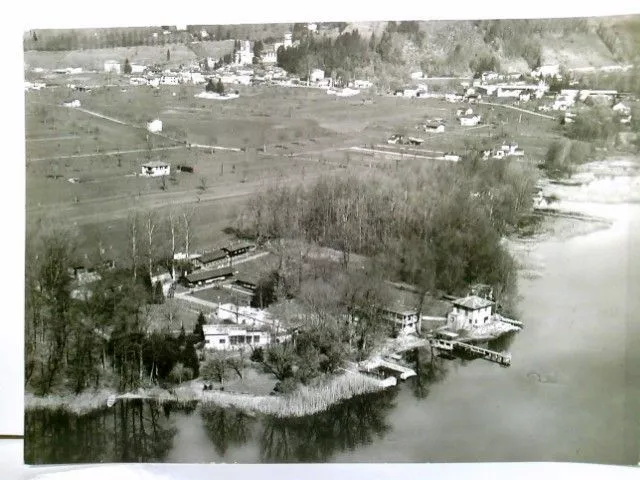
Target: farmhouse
{"points": [[469, 312], [211, 258], [204, 277], [155, 169], [233, 337], [154, 126], [72, 103], [402, 310], [112, 66]]}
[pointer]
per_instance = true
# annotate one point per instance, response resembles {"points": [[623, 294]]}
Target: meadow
{"points": [[282, 134]]}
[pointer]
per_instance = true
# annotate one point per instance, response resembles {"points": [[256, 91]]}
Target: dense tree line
{"points": [[83, 39], [564, 155], [73, 343], [434, 226]]}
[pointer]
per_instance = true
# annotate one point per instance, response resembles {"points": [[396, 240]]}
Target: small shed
{"points": [[154, 126]]}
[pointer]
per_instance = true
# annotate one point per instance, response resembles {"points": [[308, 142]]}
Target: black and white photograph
{"points": [[402, 241]]}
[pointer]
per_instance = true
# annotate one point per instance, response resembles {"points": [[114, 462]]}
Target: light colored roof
{"points": [[155, 163], [472, 302]]}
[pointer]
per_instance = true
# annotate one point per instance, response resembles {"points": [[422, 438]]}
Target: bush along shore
{"points": [[305, 400]]}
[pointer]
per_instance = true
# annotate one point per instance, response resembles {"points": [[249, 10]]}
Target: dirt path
{"points": [[519, 110], [105, 154]]}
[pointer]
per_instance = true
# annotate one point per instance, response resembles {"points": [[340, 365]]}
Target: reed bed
{"points": [[81, 404], [306, 400]]}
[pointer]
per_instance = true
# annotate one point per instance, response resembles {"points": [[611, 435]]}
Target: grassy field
{"points": [[94, 59], [304, 133]]}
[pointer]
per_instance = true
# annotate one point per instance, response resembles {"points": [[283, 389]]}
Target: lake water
{"points": [[571, 393]]}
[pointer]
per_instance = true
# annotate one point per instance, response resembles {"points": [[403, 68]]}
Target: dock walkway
{"points": [[496, 357], [404, 372]]}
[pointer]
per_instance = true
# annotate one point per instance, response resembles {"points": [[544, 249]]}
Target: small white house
{"points": [[288, 40], [112, 66], [452, 157], [362, 84], [417, 75], [154, 126], [469, 312], [169, 80], [316, 75], [234, 337], [546, 71], [312, 27], [72, 104], [469, 120], [621, 108], [155, 169], [138, 68], [163, 277], [434, 128]]}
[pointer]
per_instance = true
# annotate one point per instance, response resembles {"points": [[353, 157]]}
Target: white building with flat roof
{"points": [[234, 337], [155, 169]]}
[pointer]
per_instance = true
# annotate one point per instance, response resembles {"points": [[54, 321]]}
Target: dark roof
{"points": [[235, 248], [202, 275], [212, 256], [472, 302], [403, 299]]}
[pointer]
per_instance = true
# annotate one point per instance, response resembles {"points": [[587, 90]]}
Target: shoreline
{"points": [[306, 400]]}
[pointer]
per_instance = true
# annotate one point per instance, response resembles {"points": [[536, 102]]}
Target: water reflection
{"points": [[316, 438], [130, 431], [226, 427], [429, 369]]}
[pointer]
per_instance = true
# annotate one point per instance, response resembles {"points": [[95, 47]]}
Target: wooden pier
{"points": [[510, 321], [496, 357], [402, 371]]}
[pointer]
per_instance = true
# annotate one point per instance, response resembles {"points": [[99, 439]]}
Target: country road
{"points": [[519, 110], [182, 143], [106, 154]]}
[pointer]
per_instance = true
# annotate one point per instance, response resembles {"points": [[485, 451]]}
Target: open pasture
{"points": [[286, 135]]}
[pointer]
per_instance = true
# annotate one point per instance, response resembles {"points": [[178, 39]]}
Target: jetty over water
{"points": [[503, 359], [379, 363]]}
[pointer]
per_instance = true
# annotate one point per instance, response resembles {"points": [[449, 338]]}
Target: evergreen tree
{"points": [[220, 87], [158, 294], [168, 55], [210, 86], [127, 67]]}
